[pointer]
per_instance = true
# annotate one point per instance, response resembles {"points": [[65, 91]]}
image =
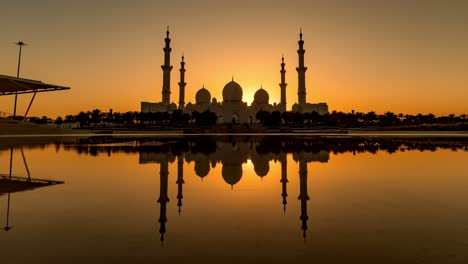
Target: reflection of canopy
{"points": [[17, 184], [10, 85]]}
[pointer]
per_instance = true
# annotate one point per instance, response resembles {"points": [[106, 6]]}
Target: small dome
{"points": [[262, 169], [202, 168], [261, 97], [203, 96], [232, 92]]}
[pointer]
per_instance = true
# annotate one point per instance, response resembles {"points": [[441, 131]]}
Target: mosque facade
{"points": [[232, 109]]}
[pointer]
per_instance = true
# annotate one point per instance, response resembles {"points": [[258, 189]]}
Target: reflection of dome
{"points": [[203, 96], [232, 92], [261, 97], [202, 167], [231, 173], [262, 168]]}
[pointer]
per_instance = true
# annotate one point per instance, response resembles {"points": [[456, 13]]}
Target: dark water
{"points": [[275, 199]]}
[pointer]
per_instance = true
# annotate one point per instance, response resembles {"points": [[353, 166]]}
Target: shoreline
{"points": [[380, 133], [15, 129]]}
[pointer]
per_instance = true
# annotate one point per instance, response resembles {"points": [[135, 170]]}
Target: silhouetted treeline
{"points": [[356, 119], [97, 118]]}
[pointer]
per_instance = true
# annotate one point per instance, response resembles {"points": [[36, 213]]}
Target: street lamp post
{"points": [[20, 44]]}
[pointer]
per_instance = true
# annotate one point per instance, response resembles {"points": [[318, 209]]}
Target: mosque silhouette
{"points": [[232, 109]]}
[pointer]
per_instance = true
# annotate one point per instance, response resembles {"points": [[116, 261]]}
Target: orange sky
{"points": [[398, 56]]}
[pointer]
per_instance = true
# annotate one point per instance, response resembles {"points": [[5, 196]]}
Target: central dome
{"points": [[261, 96], [232, 92], [203, 96]]}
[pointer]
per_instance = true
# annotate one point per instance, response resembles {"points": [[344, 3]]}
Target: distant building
{"points": [[232, 109]]}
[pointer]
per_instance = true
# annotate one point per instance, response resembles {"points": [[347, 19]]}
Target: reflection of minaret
{"points": [[166, 89], [163, 199], [283, 83], [301, 88], [180, 180], [303, 196], [284, 180], [182, 84]]}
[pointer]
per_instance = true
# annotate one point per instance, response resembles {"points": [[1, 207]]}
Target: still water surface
{"points": [[233, 199]]}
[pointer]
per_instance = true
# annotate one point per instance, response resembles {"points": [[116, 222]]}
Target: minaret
{"points": [[163, 198], [303, 196], [284, 181], [166, 89], [180, 180], [301, 88], [182, 84], [283, 83]]}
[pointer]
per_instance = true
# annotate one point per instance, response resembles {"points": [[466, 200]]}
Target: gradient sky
{"points": [[400, 56]]}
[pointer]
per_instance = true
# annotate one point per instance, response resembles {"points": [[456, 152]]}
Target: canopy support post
{"points": [[29, 106], [14, 107]]}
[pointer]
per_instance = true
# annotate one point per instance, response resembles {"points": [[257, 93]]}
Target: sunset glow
{"points": [[368, 55]]}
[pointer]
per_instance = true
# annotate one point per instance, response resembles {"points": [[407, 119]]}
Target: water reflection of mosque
{"points": [[232, 155]]}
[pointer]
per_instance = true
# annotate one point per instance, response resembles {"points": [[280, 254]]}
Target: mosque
{"points": [[232, 109]]}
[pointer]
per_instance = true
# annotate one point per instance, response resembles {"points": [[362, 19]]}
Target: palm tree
{"points": [[176, 117], [409, 119], [370, 117], [463, 117], [129, 118], [429, 118], [389, 119], [288, 117], [96, 116], [83, 119], [69, 119], [275, 118], [453, 118], [314, 117], [117, 118], [299, 118], [59, 121], [263, 116]]}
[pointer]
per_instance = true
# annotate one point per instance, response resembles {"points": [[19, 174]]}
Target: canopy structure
{"points": [[13, 86]]}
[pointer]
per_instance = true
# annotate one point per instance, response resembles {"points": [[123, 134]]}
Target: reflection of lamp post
{"points": [[8, 227], [20, 44]]}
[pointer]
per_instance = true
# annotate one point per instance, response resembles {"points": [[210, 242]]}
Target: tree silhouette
{"points": [[83, 119], [263, 116]]}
